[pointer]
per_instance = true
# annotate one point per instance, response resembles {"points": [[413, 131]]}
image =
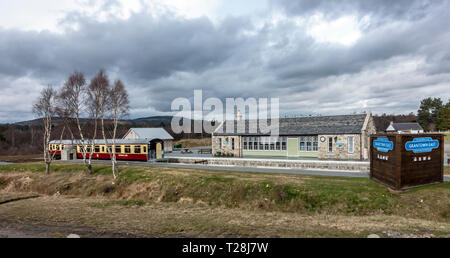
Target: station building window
{"points": [[351, 144], [308, 143], [262, 143], [330, 144]]}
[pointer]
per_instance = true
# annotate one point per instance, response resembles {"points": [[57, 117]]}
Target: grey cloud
{"points": [[383, 9], [160, 59], [140, 46], [307, 60]]}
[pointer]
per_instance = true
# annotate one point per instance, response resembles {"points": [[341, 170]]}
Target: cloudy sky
{"points": [[317, 56]]}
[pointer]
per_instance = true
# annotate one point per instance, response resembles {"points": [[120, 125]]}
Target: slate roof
{"points": [[152, 133], [406, 126], [344, 124]]}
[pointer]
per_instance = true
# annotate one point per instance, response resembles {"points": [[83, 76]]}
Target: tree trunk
{"points": [[47, 167]]}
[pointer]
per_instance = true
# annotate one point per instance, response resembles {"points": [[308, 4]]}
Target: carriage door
{"points": [[149, 152], [158, 151]]}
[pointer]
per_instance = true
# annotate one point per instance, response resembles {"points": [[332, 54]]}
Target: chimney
{"points": [[239, 116]]}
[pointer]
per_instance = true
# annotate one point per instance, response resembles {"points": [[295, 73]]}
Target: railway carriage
{"points": [[139, 150]]}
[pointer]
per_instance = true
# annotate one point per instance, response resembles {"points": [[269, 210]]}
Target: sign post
{"points": [[402, 161]]}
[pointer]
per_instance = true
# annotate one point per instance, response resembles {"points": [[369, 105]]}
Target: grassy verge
{"points": [[20, 158], [99, 217], [447, 137], [189, 143], [248, 191]]}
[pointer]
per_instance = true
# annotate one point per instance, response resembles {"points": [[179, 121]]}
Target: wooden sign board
{"points": [[402, 161]]}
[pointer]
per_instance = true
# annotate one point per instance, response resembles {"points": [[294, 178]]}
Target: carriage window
{"points": [[118, 149], [88, 149], [144, 149], [137, 149], [127, 149], [97, 149]]}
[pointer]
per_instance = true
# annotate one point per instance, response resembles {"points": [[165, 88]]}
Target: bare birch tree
{"points": [[72, 100], [119, 106], [45, 108], [98, 93]]}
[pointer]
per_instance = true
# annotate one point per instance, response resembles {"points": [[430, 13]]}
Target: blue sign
{"points": [[340, 144], [421, 145], [383, 144]]}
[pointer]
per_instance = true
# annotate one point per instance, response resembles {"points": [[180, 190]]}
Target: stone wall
{"points": [[368, 130], [340, 152], [226, 146], [168, 146], [355, 166]]}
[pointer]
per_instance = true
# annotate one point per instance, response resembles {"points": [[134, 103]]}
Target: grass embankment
{"points": [[190, 143], [20, 158], [248, 191]]}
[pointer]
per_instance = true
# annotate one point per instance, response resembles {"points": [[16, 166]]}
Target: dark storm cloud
{"points": [[140, 46], [388, 69]]}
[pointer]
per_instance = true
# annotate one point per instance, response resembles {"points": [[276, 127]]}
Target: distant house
{"points": [[152, 135], [404, 128]]}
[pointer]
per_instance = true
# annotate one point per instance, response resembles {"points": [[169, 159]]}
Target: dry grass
{"points": [[163, 201], [97, 217], [20, 158], [189, 143], [248, 191], [447, 137]]}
